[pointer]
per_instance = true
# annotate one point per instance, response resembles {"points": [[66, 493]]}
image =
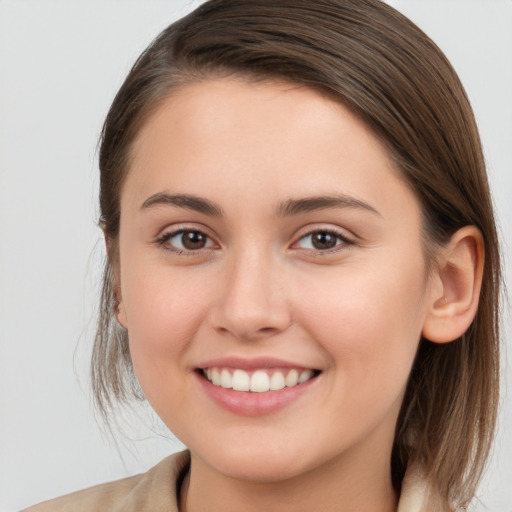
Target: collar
{"points": [[158, 489]]}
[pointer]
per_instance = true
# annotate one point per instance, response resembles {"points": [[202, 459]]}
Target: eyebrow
{"points": [[310, 204], [186, 201], [285, 209]]}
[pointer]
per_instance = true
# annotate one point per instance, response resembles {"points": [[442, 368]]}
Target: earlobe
{"points": [[121, 314], [454, 303], [119, 304], [112, 252]]}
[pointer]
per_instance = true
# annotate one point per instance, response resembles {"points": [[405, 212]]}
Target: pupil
{"points": [[324, 240], [193, 240]]}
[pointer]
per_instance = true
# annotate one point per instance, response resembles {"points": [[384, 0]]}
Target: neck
{"points": [[339, 485]]}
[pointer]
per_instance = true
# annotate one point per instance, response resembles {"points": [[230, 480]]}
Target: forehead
{"points": [[217, 106], [264, 138]]}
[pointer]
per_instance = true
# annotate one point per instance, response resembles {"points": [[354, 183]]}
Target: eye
{"points": [[186, 240], [322, 240]]}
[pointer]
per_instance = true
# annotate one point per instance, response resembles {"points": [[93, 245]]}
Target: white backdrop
{"points": [[60, 65]]}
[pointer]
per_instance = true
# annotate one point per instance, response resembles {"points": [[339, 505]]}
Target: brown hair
{"points": [[387, 71]]}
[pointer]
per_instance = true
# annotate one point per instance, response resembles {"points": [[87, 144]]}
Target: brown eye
{"points": [[193, 240], [186, 240], [322, 241]]}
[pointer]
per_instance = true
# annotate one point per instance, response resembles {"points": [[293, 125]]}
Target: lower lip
{"points": [[248, 403]]}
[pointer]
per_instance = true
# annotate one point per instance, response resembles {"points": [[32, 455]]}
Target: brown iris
{"points": [[193, 240], [323, 240]]}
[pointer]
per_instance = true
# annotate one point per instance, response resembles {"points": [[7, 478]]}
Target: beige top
{"points": [[157, 491]]}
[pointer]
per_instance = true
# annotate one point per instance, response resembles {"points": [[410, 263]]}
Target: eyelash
{"points": [[163, 241], [340, 241]]}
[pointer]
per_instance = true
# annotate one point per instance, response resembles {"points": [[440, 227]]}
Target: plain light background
{"points": [[61, 63]]}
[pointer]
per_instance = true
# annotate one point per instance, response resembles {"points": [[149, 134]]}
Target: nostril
{"points": [[245, 333], [247, 318]]}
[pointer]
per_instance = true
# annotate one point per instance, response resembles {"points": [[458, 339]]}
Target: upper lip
{"points": [[251, 363]]}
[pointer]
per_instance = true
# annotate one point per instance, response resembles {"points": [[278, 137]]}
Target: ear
{"points": [[456, 286], [111, 247], [120, 310]]}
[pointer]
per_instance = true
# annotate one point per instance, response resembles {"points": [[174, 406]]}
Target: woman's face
{"points": [[266, 240]]}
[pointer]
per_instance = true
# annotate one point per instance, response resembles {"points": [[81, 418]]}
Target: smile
{"points": [[258, 381]]}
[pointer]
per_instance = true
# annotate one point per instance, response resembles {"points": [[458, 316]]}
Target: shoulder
{"points": [[152, 491], [98, 498], [417, 494]]}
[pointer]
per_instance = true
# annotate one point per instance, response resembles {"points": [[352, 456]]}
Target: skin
{"points": [[259, 287]]}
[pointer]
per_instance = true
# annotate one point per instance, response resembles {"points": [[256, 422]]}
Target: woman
{"points": [[297, 215]]}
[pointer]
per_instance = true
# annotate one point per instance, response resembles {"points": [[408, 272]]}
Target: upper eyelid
{"points": [[163, 243], [315, 228], [347, 238], [169, 232], [307, 230], [185, 226], [344, 241]]}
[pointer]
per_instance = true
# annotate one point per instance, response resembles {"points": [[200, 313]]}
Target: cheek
{"points": [[369, 321], [164, 310]]}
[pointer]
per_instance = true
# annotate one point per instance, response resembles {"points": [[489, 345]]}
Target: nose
{"points": [[252, 302]]}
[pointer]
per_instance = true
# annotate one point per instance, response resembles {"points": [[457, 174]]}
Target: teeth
{"points": [[226, 381], [277, 381], [292, 378], [241, 381], [305, 375], [260, 381], [215, 377]]}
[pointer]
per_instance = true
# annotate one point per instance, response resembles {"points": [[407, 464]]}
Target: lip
{"points": [[247, 403], [257, 363]]}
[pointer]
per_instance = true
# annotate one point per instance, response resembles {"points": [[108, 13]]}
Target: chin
{"points": [[257, 463], [273, 469]]}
